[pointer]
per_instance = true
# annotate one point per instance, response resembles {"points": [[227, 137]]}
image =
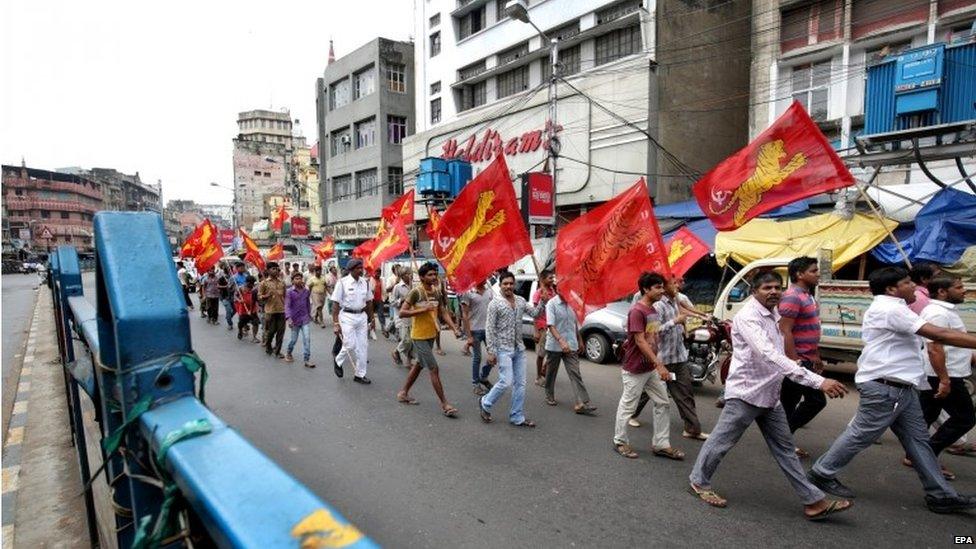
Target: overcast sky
{"points": [[155, 87]]}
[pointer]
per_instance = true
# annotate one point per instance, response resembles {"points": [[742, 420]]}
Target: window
{"points": [[435, 88], [396, 128], [339, 142], [434, 20], [367, 183], [19, 192], [342, 188], [472, 70], [513, 81], [617, 11], [45, 214], [512, 54], [267, 174], [566, 31], [810, 87], [396, 77], [500, 10], [64, 215], [366, 133], [868, 17], [471, 96], [435, 43], [339, 94], [811, 23], [569, 63], [435, 111], [617, 44], [363, 83], [471, 23], [394, 180]]}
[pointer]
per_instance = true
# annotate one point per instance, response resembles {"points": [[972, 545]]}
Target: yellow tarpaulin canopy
{"points": [[762, 238]]}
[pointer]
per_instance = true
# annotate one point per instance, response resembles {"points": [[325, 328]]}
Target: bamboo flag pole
{"points": [[874, 208]]}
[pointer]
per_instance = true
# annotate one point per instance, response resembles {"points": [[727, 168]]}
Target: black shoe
{"points": [[950, 505], [364, 380], [336, 367], [830, 485]]}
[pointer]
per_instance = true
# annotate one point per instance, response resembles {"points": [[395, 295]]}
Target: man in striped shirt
{"points": [[800, 324]]}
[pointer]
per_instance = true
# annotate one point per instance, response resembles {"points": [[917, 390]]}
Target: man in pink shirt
{"points": [[920, 274], [752, 394]]}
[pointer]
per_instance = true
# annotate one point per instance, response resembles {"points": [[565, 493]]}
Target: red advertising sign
{"points": [[226, 236], [299, 226], [538, 194]]}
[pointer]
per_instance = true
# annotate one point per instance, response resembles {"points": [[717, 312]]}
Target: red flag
{"points": [[195, 242], [600, 255], [279, 217], [482, 230], [684, 250], [276, 252], [392, 243], [790, 161], [402, 207], [433, 222], [324, 250], [252, 254]]}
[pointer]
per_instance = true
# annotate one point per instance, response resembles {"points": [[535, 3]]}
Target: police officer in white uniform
{"points": [[352, 313]]}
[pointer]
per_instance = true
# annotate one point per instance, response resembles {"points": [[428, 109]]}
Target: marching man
{"points": [[352, 315]]}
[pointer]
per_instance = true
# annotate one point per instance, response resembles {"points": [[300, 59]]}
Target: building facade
{"points": [[639, 78], [365, 104], [262, 153], [45, 209]]}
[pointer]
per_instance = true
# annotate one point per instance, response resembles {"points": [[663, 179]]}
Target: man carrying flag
{"points": [[790, 161]]}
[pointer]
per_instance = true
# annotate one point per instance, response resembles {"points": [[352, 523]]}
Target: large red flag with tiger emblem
{"points": [[482, 230], [790, 161], [600, 254], [684, 250]]}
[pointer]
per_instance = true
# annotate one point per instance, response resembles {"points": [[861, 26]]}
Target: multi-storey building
{"points": [[817, 53], [262, 153], [48, 208], [638, 78], [365, 109], [123, 192]]}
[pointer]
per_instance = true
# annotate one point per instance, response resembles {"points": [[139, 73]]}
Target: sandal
{"points": [[405, 399], [834, 506], [698, 436], [309, 365], [396, 358], [966, 449], [440, 352], [525, 423], [485, 416], [801, 453], [946, 474], [585, 410], [551, 401], [288, 358], [625, 450], [670, 453], [708, 496], [450, 411]]}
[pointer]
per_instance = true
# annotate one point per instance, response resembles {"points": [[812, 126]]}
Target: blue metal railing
{"points": [[176, 472]]}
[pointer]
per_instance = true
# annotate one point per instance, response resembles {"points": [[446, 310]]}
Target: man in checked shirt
{"points": [[752, 393]]}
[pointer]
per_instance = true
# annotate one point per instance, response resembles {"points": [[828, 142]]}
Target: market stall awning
{"points": [[689, 209], [762, 238], [944, 228]]}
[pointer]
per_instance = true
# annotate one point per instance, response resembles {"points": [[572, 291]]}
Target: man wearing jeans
{"points": [[503, 339], [889, 372], [474, 311], [643, 371], [298, 315]]}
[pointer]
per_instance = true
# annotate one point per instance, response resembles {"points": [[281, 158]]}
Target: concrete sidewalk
{"points": [[43, 504]]}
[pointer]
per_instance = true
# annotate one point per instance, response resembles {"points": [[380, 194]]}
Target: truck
{"points": [[842, 307]]}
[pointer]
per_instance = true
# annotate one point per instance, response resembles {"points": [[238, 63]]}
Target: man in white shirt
{"points": [[947, 367], [889, 373], [352, 315]]}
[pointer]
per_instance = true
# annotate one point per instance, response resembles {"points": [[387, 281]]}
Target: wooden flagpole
{"points": [[874, 208]]}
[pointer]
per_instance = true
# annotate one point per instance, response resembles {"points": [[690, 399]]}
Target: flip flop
{"points": [[708, 496], [835, 506], [585, 410], [525, 423], [404, 399], [551, 401], [625, 450], [450, 412], [670, 453]]}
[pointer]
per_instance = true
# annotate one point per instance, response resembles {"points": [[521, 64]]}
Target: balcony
{"points": [[84, 190], [21, 203]]}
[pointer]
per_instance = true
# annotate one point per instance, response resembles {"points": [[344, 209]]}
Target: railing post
{"points": [[143, 328], [64, 279]]}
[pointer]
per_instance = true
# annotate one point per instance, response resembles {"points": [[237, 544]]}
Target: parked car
{"points": [[602, 330]]}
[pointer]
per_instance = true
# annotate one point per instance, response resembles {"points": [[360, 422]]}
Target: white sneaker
{"points": [[633, 423]]}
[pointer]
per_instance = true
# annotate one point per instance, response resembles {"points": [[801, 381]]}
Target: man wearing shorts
{"points": [[423, 304]]}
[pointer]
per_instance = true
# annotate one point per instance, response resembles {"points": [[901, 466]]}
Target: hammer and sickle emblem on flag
{"points": [[769, 173]]}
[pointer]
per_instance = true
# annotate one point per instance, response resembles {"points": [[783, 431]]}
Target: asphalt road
{"points": [[18, 304], [409, 477]]}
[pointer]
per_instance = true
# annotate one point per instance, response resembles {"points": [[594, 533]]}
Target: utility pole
{"points": [[554, 144]]}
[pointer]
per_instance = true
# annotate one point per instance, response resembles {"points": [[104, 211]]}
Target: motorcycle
{"points": [[709, 350]]}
